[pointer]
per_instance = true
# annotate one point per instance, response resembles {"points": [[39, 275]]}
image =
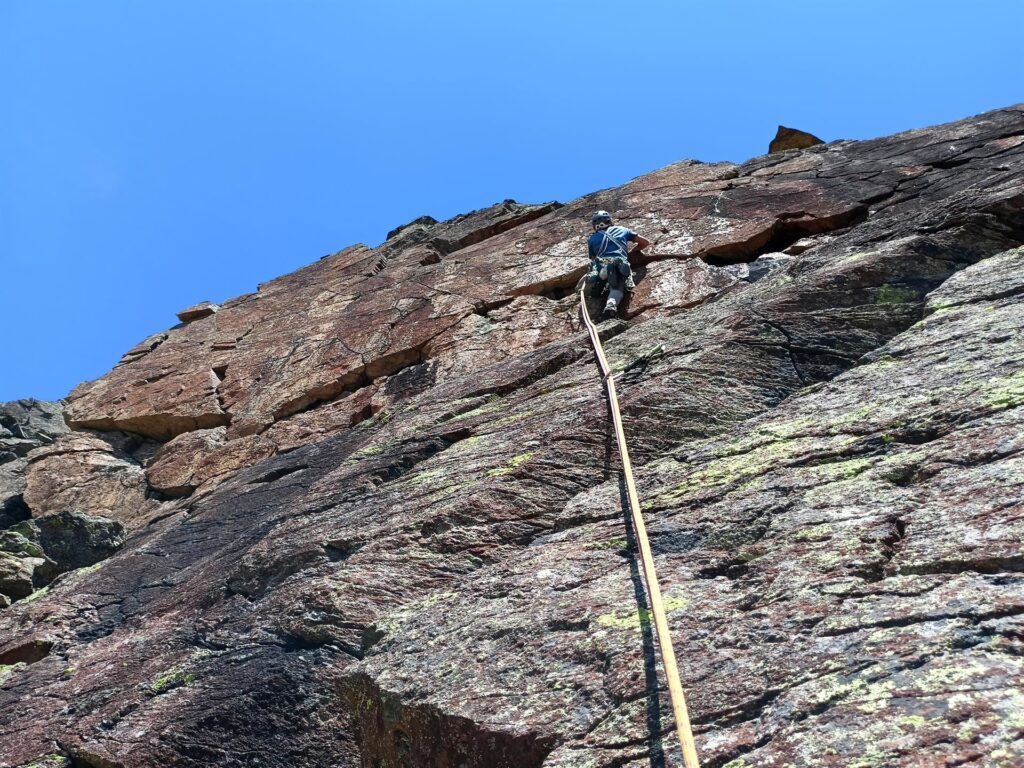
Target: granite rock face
{"points": [[371, 514]]}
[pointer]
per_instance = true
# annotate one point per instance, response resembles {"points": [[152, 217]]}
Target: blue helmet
{"points": [[601, 218]]}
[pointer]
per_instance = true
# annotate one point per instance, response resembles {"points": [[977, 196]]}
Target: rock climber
{"points": [[609, 260]]}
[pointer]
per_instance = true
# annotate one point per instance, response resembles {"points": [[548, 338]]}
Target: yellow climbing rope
{"points": [[668, 655]]}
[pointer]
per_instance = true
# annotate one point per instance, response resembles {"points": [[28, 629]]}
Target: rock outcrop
{"points": [[371, 514], [792, 138]]}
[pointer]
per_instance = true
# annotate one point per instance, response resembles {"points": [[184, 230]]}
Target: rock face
{"points": [[371, 515]]}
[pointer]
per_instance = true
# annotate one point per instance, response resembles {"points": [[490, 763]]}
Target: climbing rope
{"points": [[668, 655]]}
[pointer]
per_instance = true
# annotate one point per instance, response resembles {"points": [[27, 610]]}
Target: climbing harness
{"points": [[668, 655]]}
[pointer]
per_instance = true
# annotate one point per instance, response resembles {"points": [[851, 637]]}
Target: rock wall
{"points": [[370, 515]]}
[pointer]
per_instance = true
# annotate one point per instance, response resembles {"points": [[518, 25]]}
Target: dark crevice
{"points": [[484, 308], [370, 637], [26, 653], [558, 292], [987, 298], [162, 496], [277, 474], [13, 511], [80, 757], [566, 625], [787, 229], [911, 620], [290, 643], [386, 466], [555, 288], [983, 565], [952, 162], [339, 550], [730, 569]]}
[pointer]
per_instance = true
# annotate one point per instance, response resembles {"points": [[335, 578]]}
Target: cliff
{"points": [[371, 515]]}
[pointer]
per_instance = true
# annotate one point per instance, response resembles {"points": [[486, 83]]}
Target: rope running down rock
{"points": [[668, 655]]}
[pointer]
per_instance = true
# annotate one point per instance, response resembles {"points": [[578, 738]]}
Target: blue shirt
{"points": [[611, 243]]}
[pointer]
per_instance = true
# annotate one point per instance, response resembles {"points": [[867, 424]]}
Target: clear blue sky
{"points": [[157, 153]]}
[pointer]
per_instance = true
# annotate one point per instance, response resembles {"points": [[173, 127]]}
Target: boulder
{"points": [[86, 472], [196, 311], [76, 540], [16, 573], [792, 138]]}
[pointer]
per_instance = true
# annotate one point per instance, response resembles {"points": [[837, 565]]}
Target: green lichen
{"points": [[1006, 391], [865, 695], [427, 476], [18, 544], [733, 469], [370, 450], [815, 533], [944, 679], [641, 617], [48, 761], [618, 542], [489, 405], [393, 621], [35, 595], [511, 465], [853, 258], [749, 555], [894, 294], [512, 419], [175, 677], [913, 722], [73, 577], [873, 758], [842, 470], [876, 697], [8, 670]]}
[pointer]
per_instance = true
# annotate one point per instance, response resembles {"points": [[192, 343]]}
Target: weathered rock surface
{"points": [[397, 535], [202, 309], [86, 472], [54, 499], [74, 539], [24, 426]]}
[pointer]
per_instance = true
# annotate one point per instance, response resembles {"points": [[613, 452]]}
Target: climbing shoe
{"points": [[611, 309], [630, 285]]}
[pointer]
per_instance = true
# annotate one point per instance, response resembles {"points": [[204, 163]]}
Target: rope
{"points": [[668, 655]]}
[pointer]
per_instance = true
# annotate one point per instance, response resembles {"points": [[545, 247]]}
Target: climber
{"points": [[609, 257]]}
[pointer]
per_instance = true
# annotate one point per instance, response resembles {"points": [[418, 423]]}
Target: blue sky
{"points": [[155, 154]]}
